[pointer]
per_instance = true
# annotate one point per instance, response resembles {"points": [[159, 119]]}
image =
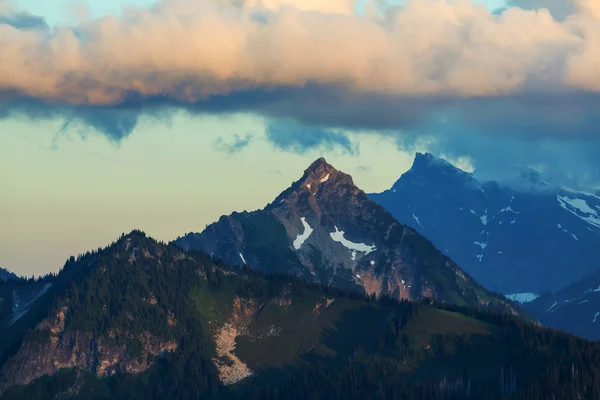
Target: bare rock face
{"points": [[231, 368], [76, 349], [325, 229], [55, 348]]}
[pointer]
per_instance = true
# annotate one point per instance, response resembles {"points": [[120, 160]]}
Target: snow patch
{"points": [[509, 209], [482, 245], [418, 222], [484, 218], [595, 316], [299, 241], [576, 206], [559, 226], [552, 306], [325, 178], [522, 297], [372, 262], [338, 236], [243, 259]]}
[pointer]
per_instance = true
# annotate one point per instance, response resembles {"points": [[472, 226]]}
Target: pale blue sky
{"points": [[54, 10], [166, 180]]}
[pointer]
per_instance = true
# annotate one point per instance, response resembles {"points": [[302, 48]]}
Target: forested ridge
{"points": [[421, 350]]}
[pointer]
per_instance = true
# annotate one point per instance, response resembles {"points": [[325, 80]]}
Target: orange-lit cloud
{"points": [[184, 53], [188, 50]]}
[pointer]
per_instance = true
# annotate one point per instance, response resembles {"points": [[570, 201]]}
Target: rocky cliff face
{"points": [[324, 228], [52, 348]]}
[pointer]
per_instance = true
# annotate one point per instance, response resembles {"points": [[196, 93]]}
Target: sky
{"points": [[165, 115]]}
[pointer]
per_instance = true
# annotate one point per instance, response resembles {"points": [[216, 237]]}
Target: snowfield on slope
{"points": [[299, 241], [338, 236]]}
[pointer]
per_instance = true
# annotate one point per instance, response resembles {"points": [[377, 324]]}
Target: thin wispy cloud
{"points": [[235, 145], [296, 138]]}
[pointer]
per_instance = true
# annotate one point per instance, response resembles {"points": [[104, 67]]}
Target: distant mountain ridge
{"points": [[325, 229], [526, 238], [575, 308]]}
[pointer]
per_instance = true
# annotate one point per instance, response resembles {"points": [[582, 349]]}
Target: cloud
{"points": [[288, 136], [467, 79], [392, 70], [560, 9], [362, 169], [239, 143], [21, 20], [564, 162]]}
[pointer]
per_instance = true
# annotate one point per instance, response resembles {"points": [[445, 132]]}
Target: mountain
{"points": [[141, 319], [325, 229], [575, 308], [526, 237], [6, 275]]}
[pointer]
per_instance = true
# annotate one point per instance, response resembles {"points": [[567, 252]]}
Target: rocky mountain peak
{"points": [[321, 171], [428, 162], [319, 180], [319, 163], [429, 170]]}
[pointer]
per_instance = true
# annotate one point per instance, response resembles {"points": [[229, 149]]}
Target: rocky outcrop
{"points": [[53, 348], [322, 305], [231, 368]]}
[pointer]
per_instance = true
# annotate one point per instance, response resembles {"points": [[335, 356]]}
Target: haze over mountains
{"points": [[529, 237]]}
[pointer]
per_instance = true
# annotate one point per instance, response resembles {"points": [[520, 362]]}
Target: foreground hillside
{"points": [[526, 237], [325, 229], [144, 320]]}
